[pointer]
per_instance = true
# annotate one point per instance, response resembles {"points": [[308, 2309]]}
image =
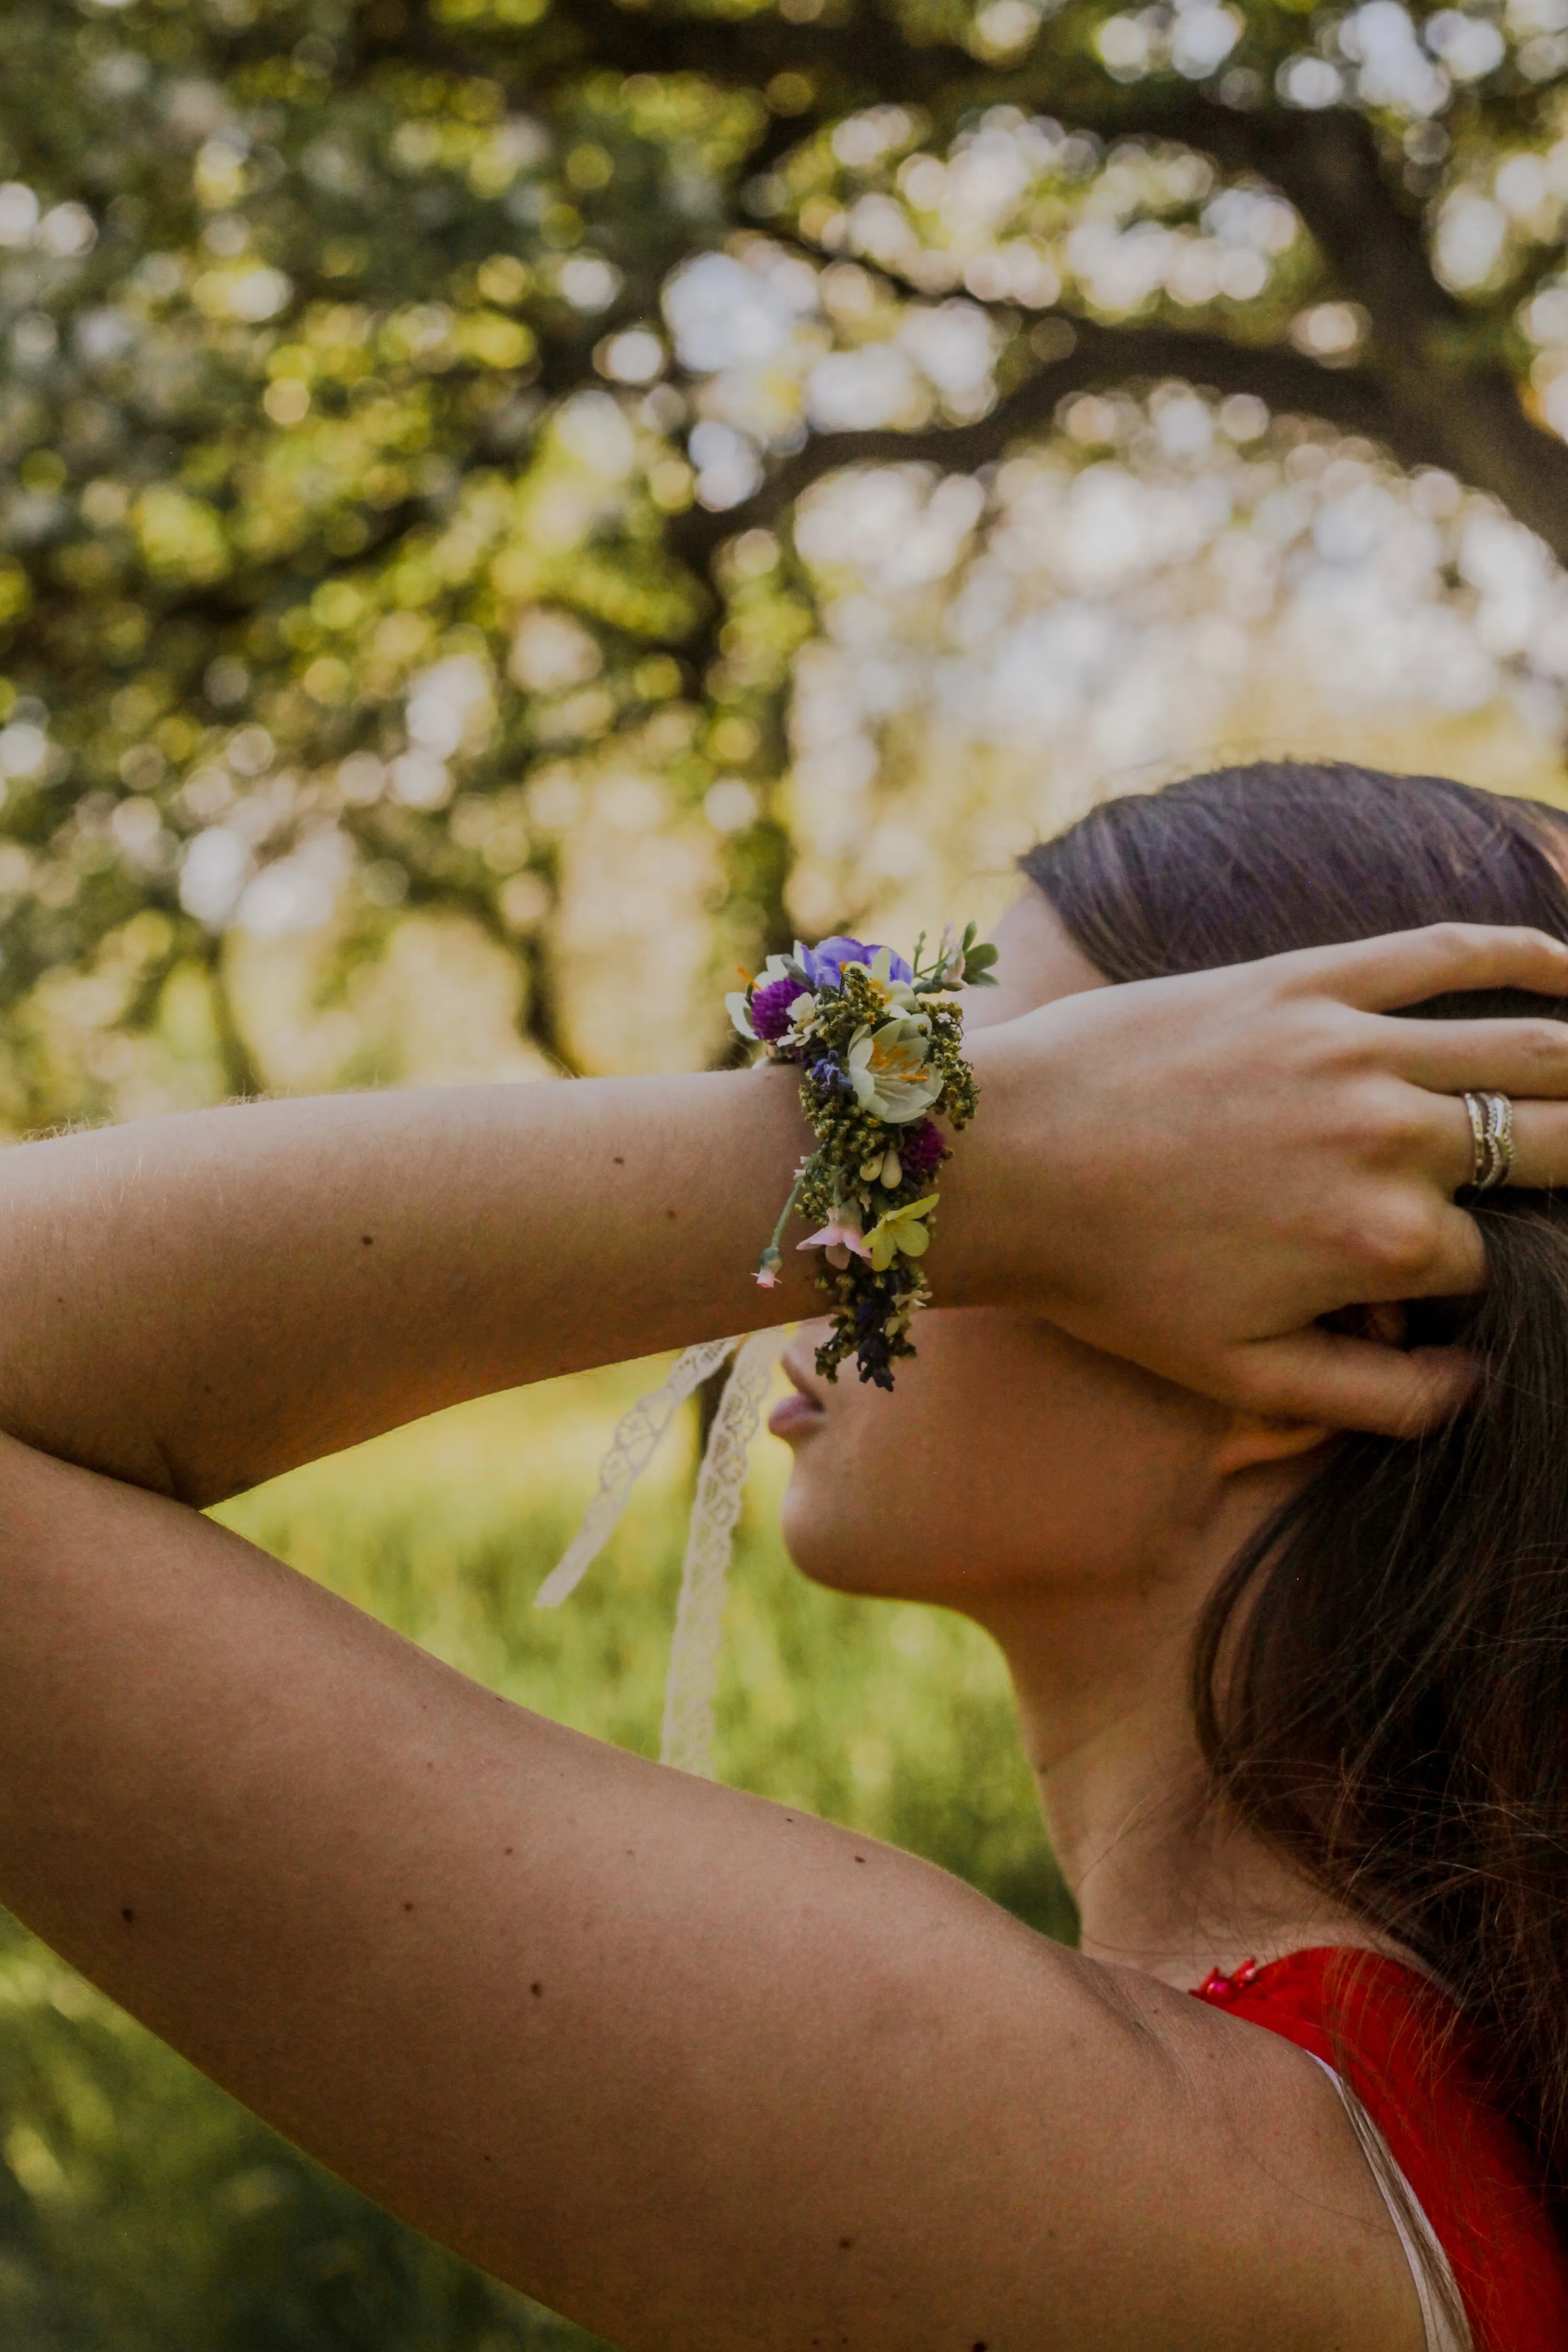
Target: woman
{"points": [[701, 2072]]}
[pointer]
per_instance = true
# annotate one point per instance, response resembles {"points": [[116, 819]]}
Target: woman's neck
{"points": [[1164, 1879]]}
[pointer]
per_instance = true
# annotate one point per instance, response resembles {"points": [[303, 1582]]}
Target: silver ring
{"points": [[1500, 1131], [1480, 1156], [1491, 1139]]}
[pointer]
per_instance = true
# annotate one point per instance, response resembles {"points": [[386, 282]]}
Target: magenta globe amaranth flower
{"points": [[770, 1007], [920, 1151]]}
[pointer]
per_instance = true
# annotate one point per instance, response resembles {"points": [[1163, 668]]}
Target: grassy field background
{"points": [[140, 2211]]}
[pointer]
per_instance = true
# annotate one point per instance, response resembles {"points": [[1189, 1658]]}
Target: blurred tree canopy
{"points": [[406, 404]]}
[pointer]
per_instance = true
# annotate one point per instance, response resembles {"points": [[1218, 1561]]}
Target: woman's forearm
{"points": [[1184, 1171], [196, 1303]]}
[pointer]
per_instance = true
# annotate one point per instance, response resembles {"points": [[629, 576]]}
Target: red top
{"points": [[1418, 2068]]}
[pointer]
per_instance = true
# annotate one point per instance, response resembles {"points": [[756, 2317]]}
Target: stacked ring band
{"points": [[1491, 1139]]}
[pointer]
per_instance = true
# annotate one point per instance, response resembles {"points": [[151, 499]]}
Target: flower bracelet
{"points": [[881, 1060]]}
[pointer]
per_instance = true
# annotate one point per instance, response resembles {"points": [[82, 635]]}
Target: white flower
{"points": [[802, 1016], [735, 1006], [878, 971], [889, 1070]]}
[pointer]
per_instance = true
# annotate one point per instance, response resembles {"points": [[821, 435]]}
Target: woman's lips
{"points": [[792, 1415]]}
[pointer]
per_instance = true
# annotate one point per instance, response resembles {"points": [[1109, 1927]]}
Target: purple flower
{"points": [[824, 962], [770, 1007], [830, 1077], [873, 1350], [920, 1151]]}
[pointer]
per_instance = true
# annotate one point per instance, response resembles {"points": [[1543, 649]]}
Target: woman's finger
{"points": [[1540, 1147], [1446, 1146], [1323, 1376], [1521, 1055], [1426, 1257], [1405, 968]]}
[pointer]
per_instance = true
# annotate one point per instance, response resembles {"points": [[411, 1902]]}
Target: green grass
{"points": [[140, 2211]]}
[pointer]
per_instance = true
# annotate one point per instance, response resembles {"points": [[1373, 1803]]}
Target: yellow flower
{"points": [[900, 1231]]}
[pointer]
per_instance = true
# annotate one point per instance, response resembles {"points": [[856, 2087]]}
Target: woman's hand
{"points": [[1189, 1171]]}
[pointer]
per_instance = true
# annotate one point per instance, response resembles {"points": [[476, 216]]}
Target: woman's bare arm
{"points": [[196, 1303], [1184, 1171], [778, 2086], [703, 2073]]}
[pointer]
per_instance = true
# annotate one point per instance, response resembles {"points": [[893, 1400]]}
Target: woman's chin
{"points": [[822, 1546]]}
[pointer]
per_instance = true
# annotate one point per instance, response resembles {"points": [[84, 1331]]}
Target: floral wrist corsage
{"points": [[881, 1060]]}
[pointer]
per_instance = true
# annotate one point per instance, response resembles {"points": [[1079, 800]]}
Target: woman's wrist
{"points": [[1001, 1228], [877, 1042]]}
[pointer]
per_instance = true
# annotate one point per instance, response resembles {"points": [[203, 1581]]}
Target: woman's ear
{"points": [[1252, 1441]]}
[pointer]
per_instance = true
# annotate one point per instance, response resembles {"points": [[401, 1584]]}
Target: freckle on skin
{"points": [[366, 1239], [536, 1989], [409, 1906], [619, 1162], [670, 1215], [128, 1916], [845, 2244]]}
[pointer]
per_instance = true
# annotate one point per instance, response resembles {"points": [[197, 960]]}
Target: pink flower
{"points": [[838, 1237], [766, 1279]]}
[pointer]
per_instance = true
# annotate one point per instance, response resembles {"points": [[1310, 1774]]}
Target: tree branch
{"points": [[1456, 405], [1102, 356], [1430, 386], [242, 1080]]}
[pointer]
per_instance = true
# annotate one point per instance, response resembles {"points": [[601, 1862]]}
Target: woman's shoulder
{"points": [[1424, 2074]]}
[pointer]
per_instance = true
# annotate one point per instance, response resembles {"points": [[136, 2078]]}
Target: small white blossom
{"points": [[889, 1070]]}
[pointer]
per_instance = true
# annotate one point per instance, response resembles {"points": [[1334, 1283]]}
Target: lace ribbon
{"points": [[688, 1736], [687, 1741], [631, 1450]]}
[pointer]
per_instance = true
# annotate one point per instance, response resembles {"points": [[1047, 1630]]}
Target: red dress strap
{"points": [[1419, 2069]]}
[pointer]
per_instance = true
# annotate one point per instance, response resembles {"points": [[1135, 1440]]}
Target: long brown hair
{"points": [[1389, 1707]]}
